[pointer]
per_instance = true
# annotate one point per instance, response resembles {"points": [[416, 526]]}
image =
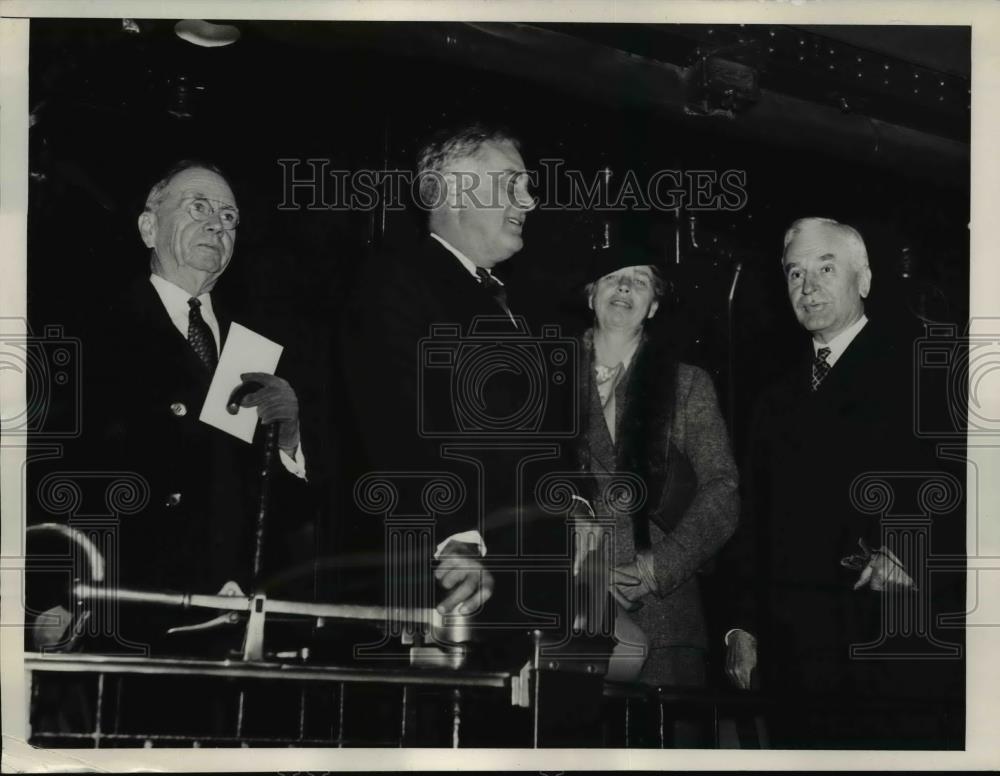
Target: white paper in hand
{"points": [[244, 351]]}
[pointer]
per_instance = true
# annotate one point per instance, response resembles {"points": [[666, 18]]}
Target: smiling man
{"points": [[189, 224], [474, 185], [477, 189], [815, 557], [826, 266], [150, 356]]}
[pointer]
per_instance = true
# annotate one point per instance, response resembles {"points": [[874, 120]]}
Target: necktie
{"points": [[495, 290], [821, 367], [200, 336]]}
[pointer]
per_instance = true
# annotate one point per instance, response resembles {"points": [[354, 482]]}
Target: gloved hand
{"points": [[275, 402], [632, 582]]}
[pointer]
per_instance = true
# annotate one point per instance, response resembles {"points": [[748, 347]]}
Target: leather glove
{"points": [[275, 402], [632, 582]]}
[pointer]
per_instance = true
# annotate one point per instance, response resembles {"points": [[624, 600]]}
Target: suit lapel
{"points": [[464, 297], [622, 395], [842, 380], [165, 343], [602, 449], [224, 321], [601, 446]]}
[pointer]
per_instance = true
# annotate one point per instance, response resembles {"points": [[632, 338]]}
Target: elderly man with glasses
{"points": [[147, 365]]}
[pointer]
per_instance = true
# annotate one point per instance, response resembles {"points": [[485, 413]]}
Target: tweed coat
{"points": [[675, 618]]}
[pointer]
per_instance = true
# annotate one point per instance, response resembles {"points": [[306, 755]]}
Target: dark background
{"points": [[112, 109], [866, 125]]}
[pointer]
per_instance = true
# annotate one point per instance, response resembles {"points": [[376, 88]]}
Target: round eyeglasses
{"points": [[202, 209]]}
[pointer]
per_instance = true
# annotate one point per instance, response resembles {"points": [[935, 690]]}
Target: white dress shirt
{"points": [[469, 265], [841, 342], [175, 301], [464, 260]]}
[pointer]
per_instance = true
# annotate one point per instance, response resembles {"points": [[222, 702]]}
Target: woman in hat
{"points": [[651, 420]]}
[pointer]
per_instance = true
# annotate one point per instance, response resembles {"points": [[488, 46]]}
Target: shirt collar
{"points": [[464, 260], [175, 298], [841, 342]]}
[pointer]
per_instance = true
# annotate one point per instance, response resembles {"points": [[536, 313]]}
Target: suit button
{"points": [[178, 409], [173, 499]]}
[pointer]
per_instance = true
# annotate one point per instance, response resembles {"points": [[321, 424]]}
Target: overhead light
{"points": [[202, 33]]}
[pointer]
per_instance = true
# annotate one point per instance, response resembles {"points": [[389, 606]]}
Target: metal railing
{"points": [[83, 700]]}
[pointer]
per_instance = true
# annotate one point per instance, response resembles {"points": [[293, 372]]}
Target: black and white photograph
{"points": [[497, 380]]}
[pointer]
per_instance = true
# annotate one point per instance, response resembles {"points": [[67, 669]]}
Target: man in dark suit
{"points": [[149, 361], [823, 571], [474, 183]]}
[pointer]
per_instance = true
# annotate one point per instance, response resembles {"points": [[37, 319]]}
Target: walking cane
{"points": [[270, 448]]}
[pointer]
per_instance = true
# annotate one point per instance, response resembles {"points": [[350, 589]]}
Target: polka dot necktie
{"points": [[821, 367], [200, 336], [492, 285]]}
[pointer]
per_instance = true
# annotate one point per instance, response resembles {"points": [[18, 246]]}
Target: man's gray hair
{"points": [[446, 147], [859, 253], [157, 192]]}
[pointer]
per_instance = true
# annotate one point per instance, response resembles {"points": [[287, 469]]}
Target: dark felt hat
{"points": [[630, 243], [604, 261]]}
